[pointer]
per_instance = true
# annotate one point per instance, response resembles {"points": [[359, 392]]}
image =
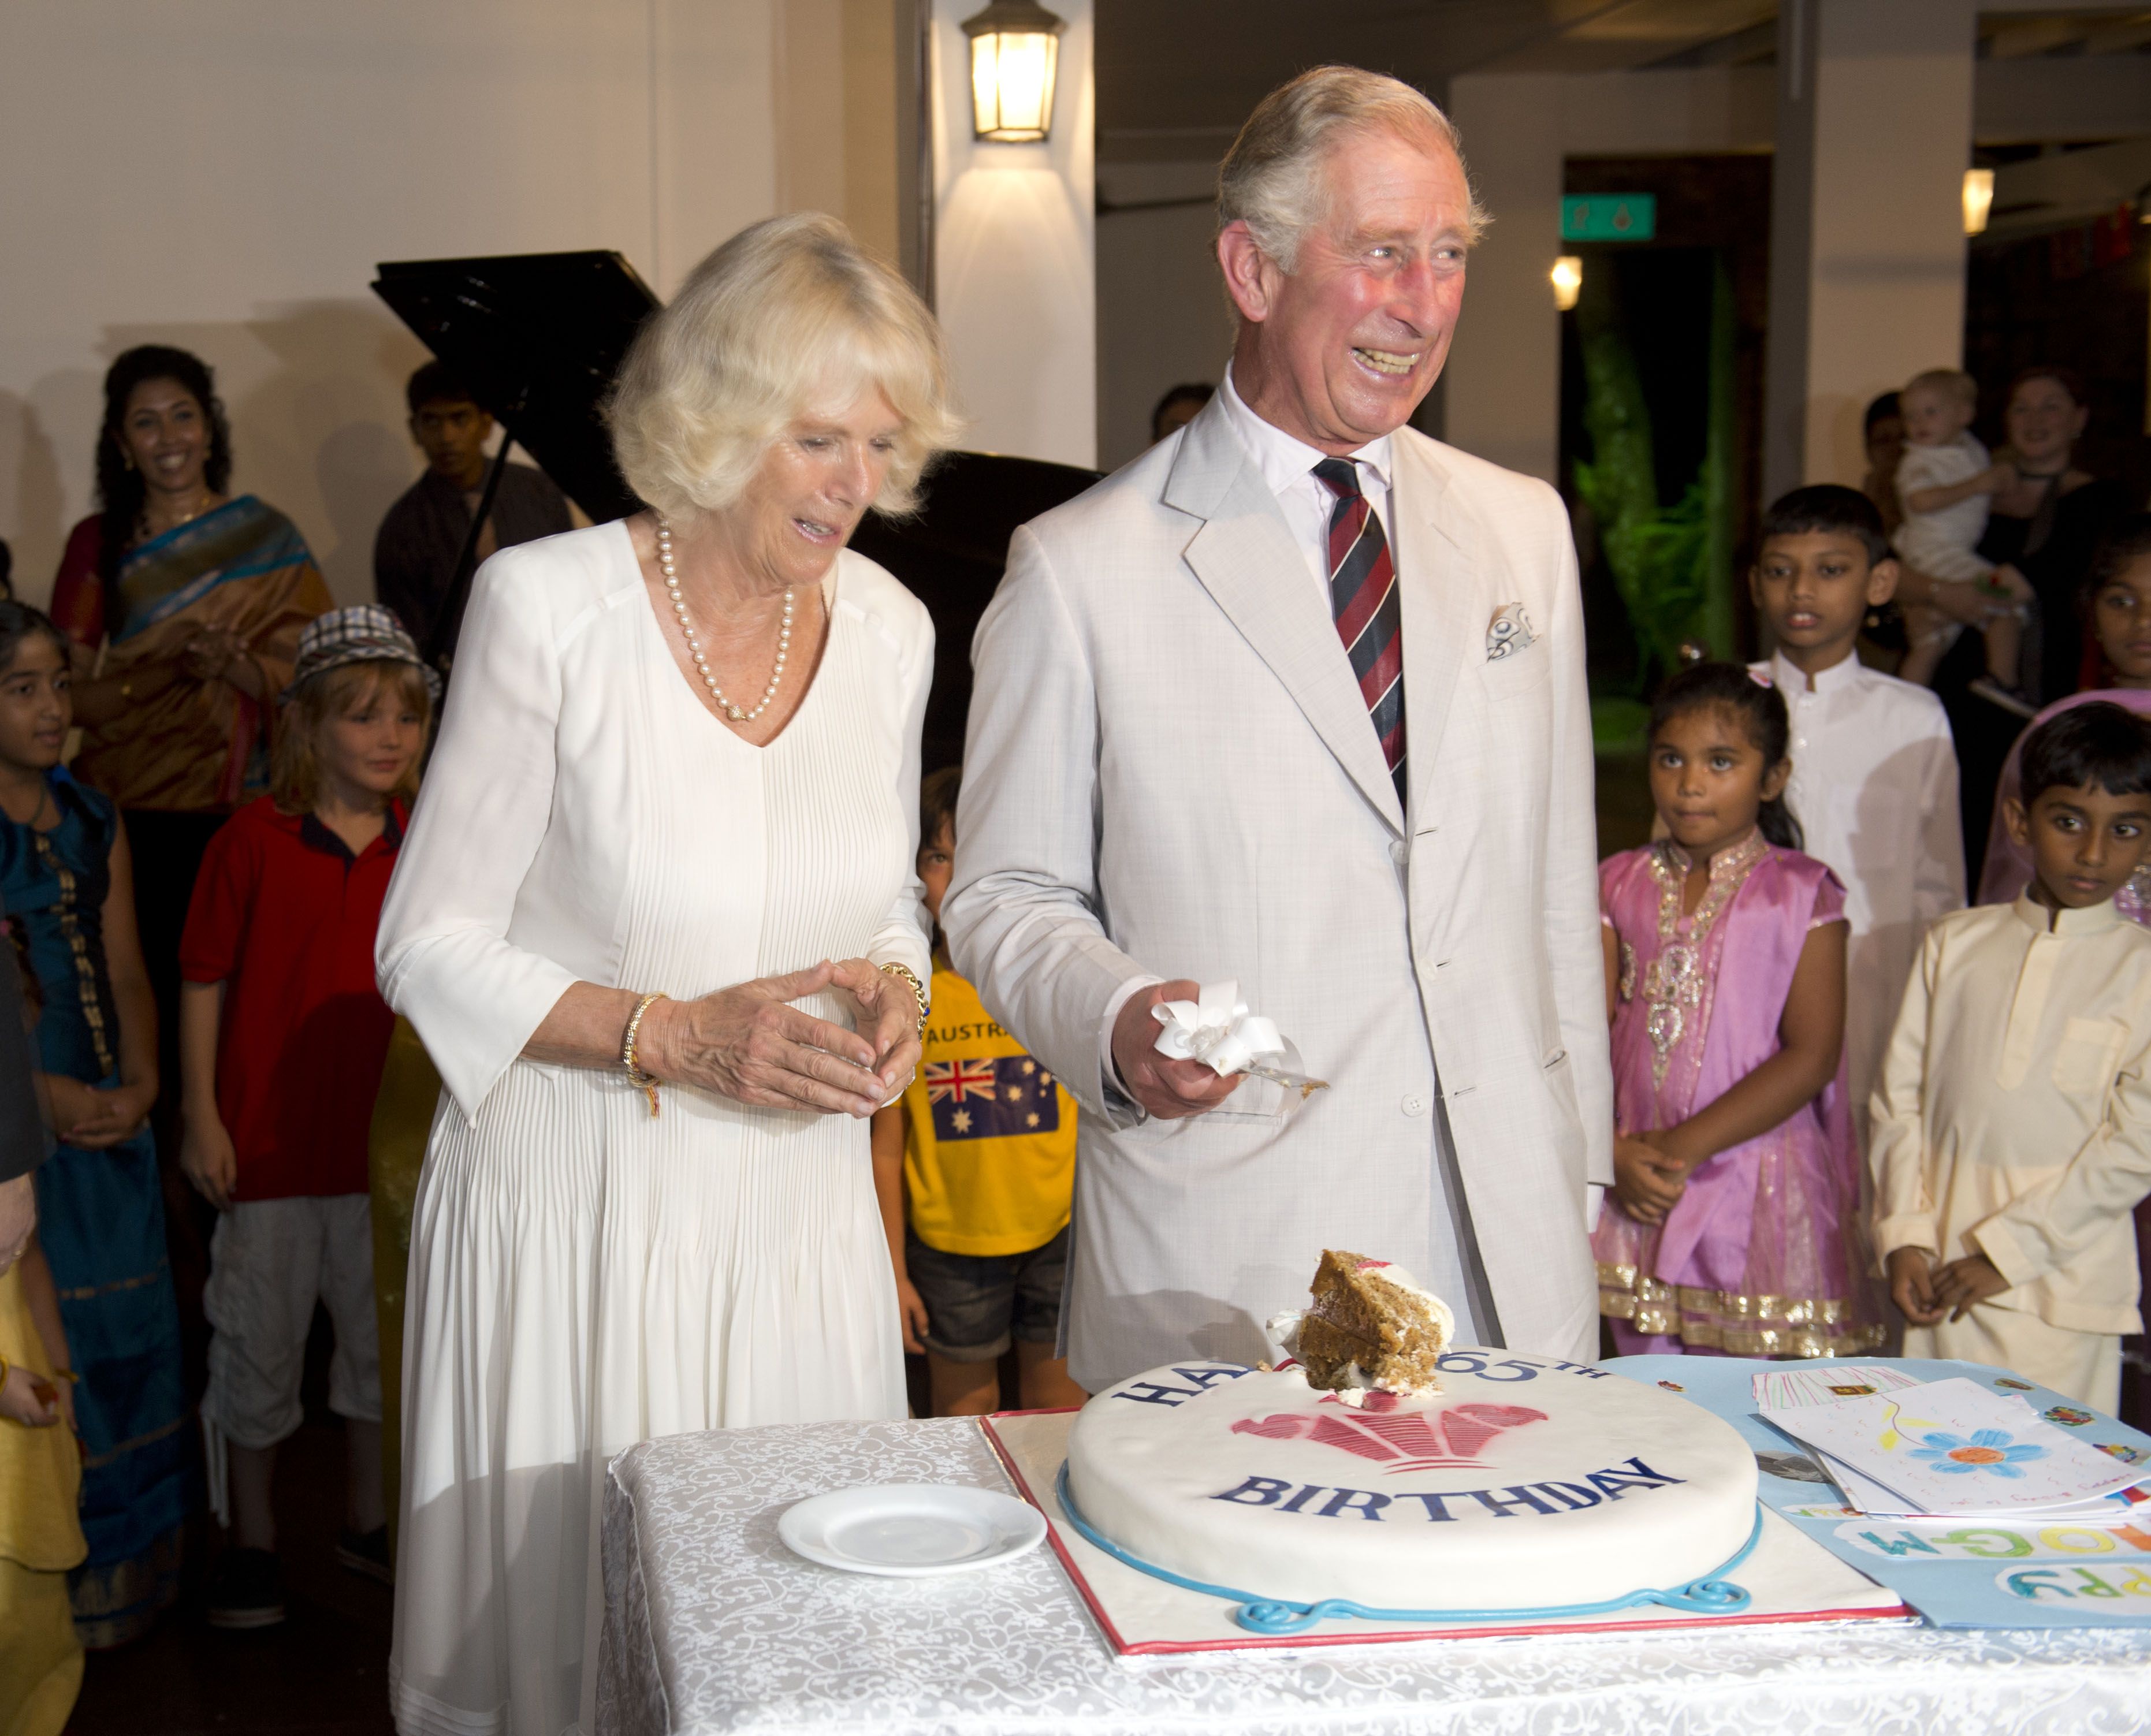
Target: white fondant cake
{"points": [[1527, 1483]]}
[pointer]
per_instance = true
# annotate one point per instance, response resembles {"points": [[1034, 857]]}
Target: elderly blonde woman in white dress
{"points": [[657, 922]]}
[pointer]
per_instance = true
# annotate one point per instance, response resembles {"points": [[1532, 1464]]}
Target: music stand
{"points": [[537, 338]]}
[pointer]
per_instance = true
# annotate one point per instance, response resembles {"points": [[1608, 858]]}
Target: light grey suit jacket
{"points": [[1170, 771]]}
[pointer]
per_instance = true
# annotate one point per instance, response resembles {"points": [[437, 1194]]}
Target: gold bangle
{"points": [[647, 1083], [917, 991]]}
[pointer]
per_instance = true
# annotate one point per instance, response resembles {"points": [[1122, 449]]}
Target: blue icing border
{"points": [[1711, 1595]]}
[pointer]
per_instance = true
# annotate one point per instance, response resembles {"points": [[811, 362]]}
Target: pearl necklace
{"points": [[694, 643]]}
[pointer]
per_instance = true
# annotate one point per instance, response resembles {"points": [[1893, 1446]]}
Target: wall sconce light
{"points": [[1567, 275], [1015, 48], [1978, 200]]}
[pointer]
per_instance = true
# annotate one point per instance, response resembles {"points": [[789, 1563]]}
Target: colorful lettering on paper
{"points": [[2086, 1587]]}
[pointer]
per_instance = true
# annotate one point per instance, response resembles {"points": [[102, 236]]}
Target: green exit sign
{"points": [[1609, 217]]}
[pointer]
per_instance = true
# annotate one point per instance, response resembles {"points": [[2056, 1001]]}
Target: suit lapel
{"points": [[1441, 591], [1247, 558]]}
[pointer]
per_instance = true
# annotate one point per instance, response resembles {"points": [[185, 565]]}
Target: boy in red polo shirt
{"points": [[282, 1035]]}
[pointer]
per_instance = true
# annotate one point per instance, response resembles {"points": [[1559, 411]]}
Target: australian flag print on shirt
{"points": [[998, 1099]]}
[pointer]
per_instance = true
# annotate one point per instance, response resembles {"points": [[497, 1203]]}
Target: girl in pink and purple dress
{"points": [[1733, 1227]]}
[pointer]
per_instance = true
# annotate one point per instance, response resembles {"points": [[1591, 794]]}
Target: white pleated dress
{"points": [[582, 1276]]}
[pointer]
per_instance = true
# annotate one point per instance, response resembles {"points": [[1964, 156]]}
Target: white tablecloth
{"points": [[713, 1624]]}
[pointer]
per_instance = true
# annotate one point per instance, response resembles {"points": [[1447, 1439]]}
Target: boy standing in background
{"points": [[282, 1035], [1874, 783], [981, 1150], [2012, 1128]]}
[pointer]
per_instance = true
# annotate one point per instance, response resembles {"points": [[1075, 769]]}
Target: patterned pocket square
{"points": [[1509, 632]]}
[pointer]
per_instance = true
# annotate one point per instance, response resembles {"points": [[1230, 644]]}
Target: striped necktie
{"points": [[1362, 597]]}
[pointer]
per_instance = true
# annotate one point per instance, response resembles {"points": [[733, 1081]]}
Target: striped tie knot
{"points": [[1340, 476], [1363, 601]]}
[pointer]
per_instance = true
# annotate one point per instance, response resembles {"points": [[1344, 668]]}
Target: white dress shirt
{"points": [[1874, 788], [1288, 466]]}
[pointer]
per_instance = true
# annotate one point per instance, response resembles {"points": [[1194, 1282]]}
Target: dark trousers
{"points": [[167, 850]]}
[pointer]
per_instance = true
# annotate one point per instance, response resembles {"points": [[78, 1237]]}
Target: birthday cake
{"points": [[1524, 1483]]}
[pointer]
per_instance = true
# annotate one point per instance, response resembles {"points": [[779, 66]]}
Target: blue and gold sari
{"points": [[193, 746]]}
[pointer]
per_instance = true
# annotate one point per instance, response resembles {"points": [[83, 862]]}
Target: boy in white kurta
{"points": [[2012, 1126], [1874, 778]]}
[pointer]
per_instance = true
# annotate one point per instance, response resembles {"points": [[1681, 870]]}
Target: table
{"points": [[712, 1625]]}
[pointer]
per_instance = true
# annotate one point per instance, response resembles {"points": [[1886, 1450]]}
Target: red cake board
{"points": [[1790, 1578]]}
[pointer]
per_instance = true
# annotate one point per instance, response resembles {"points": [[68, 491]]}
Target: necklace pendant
{"points": [[735, 713]]}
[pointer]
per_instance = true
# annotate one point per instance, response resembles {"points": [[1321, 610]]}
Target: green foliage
{"points": [[1618, 724], [1671, 564]]}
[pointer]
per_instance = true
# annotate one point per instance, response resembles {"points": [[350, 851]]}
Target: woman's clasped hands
{"points": [[750, 1044]]}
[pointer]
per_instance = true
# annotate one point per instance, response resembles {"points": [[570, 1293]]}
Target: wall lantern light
{"points": [[1978, 200], [1015, 46], [1567, 275]]}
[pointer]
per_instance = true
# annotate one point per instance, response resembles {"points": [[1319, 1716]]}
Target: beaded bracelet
{"points": [[647, 1083]]}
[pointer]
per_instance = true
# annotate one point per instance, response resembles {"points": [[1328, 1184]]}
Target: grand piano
{"points": [[537, 337]]}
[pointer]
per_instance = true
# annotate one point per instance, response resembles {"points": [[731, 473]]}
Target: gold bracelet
{"points": [[917, 991], [647, 1083]]}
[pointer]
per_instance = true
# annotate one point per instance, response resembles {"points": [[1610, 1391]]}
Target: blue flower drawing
{"points": [[1989, 1450]]}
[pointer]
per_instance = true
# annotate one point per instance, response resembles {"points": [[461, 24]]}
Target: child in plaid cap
{"points": [[282, 1035]]}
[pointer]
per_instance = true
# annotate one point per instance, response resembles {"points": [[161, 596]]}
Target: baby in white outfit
{"points": [[1943, 482]]}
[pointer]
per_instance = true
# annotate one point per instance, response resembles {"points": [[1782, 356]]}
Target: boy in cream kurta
{"points": [[2012, 1126]]}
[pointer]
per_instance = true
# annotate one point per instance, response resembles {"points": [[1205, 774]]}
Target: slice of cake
{"points": [[1371, 1325]]}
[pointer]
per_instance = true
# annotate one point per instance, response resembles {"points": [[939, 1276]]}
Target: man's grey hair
{"points": [[1272, 177]]}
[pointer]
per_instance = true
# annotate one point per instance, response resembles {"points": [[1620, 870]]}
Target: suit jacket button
{"points": [[1414, 1104], [1400, 851]]}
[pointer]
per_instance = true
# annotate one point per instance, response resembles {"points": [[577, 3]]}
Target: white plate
{"points": [[910, 1530]]}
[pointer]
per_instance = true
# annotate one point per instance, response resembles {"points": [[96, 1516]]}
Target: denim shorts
{"points": [[977, 1305]]}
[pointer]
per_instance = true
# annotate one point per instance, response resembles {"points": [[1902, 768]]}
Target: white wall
{"points": [[224, 174], [1867, 247], [1015, 257], [1162, 320], [1502, 384]]}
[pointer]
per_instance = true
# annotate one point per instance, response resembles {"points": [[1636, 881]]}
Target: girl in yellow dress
{"points": [[40, 1477]]}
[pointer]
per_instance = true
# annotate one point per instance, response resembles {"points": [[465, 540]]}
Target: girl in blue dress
{"points": [[66, 888]]}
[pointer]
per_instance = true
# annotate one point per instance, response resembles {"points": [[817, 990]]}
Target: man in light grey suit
{"points": [[1297, 698]]}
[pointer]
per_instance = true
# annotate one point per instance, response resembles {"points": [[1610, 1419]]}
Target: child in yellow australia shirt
{"points": [[40, 1479], [2012, 1126], [982, 1149]]}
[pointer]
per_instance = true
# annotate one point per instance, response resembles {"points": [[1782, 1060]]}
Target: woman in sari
{"points": [[195, 600], [182, 607]]}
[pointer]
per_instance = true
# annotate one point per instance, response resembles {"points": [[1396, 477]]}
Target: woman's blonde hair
{"points": [[295, 757], [1272, 177], [787, 318]]}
